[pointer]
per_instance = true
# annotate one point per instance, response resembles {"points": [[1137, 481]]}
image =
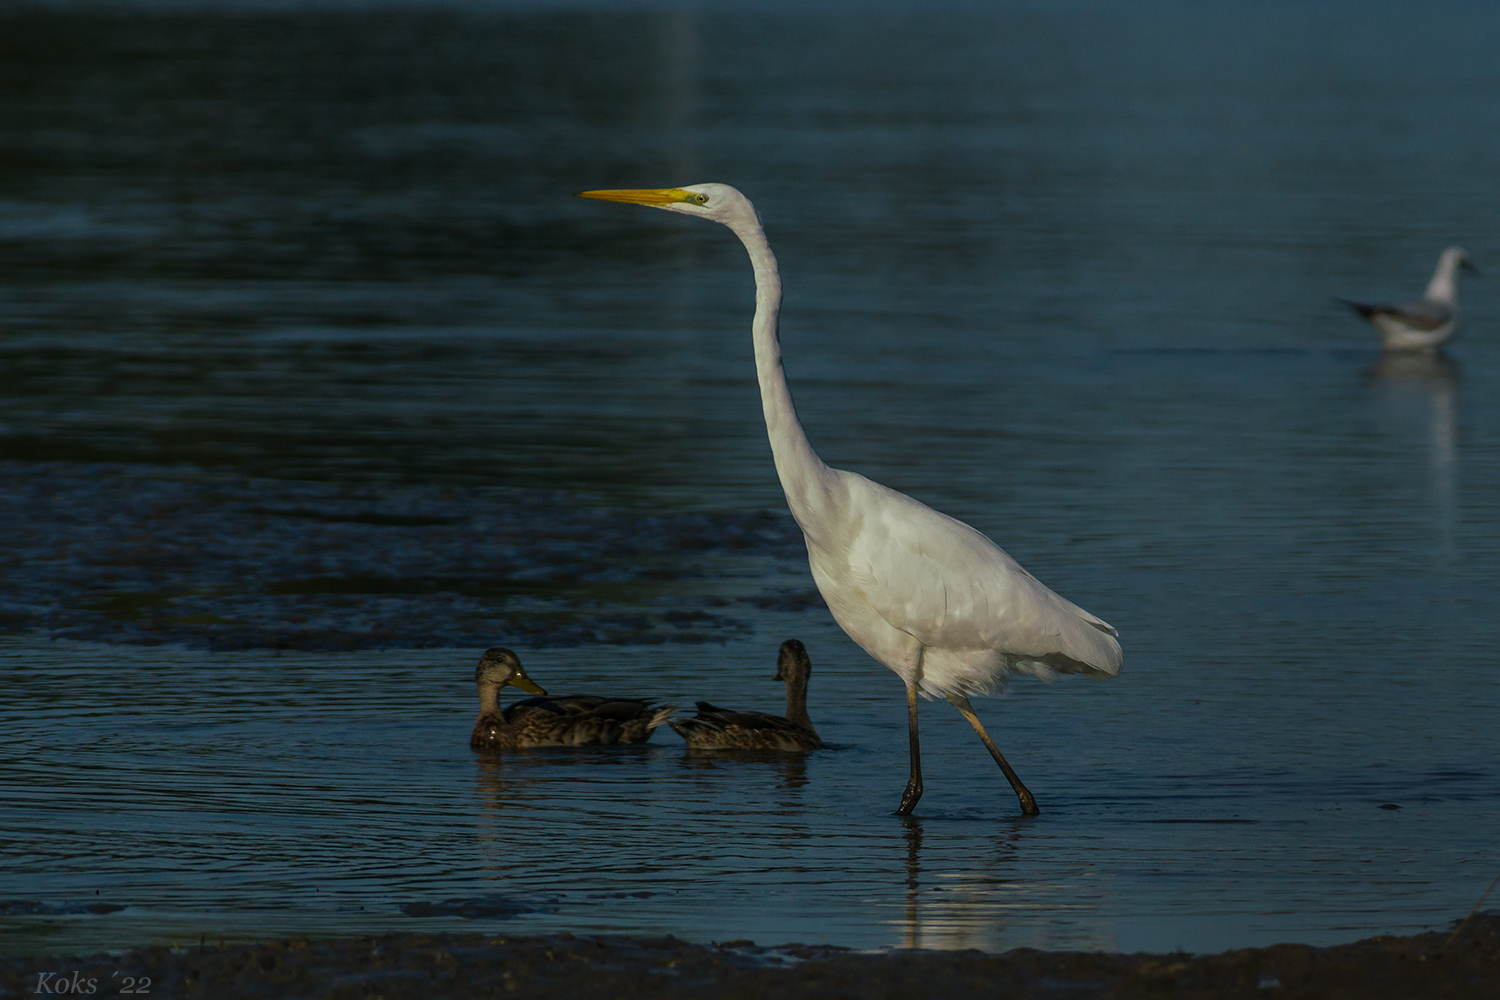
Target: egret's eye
{"points": [[700, 198]]}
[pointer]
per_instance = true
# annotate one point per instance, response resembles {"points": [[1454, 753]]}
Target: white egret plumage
{"points": [[926, 595], [1424, 325]]}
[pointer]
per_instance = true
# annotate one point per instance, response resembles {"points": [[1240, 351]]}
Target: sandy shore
{"points": [[398, 966]]}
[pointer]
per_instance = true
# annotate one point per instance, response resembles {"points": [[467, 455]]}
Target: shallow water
{"points": [[262, 795], [311, 370]]}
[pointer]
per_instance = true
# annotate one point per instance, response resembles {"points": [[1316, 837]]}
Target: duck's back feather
{"points": [[715, 728], [570, 720]]}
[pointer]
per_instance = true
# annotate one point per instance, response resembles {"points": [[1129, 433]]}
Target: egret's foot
{"points": [[911, 795], [1028, 804]]}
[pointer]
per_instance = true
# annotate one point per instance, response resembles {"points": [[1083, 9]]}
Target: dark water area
{"points": [[152, 555], [315, 380]]}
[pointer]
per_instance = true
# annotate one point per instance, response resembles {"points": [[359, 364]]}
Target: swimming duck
{"points": [[716, 728], [571, 720]]}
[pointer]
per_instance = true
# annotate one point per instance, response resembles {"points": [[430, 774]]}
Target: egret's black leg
{"points": [[914, 784], [1028, 804]]}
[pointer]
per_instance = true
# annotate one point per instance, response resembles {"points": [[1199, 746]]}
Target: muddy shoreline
{"points": [[1436, 964]]}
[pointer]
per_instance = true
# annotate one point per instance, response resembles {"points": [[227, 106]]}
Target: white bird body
{"points": [[904, 580], [1425, 325], [1405, 328], [925, 594]]}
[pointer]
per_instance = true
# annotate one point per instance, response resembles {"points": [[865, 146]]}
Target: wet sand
{"points": [[474, 965]]}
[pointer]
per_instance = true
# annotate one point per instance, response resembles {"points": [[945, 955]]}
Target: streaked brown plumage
{"points": [[570, 720], [716, 728]]}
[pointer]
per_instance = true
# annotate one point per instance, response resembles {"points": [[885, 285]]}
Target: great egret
{"points": [[926, 595], [715, 728], [572, 720], [1421, 326]]}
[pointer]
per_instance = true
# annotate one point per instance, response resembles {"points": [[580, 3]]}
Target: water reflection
{"points": [[912, 831], [507, 792], [513, 787], [1424, 366], [1418, 390], [714, 766], [493, 789], [982, 903]]}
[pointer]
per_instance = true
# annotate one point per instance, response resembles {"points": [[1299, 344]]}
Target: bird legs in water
{"points": [[958, 701], [914, 784]]}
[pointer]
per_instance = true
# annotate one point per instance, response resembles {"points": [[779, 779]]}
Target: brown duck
{"points": [[572, 720], [716, 728]]}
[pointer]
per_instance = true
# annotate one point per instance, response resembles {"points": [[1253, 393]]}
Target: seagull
{"points": [[1425, 325]]}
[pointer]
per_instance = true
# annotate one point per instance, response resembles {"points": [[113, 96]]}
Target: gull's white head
{"points": [[1457, 257], [1444, 284], [716, 202]]}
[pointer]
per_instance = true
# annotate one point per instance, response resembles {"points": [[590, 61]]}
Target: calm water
{"points": [[315, 381]]}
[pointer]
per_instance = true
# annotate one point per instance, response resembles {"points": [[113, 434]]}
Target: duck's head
{"points": [[499, 667], [792, 663]]}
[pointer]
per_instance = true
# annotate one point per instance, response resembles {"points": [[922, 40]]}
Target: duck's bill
{"points": [[642, 196], [526, 684]]}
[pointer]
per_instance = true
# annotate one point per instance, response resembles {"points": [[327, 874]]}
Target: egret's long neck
{"points": [[1444, 284], [802, 472]]}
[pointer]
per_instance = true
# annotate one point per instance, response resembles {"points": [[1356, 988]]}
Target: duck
{"points": [[573, 720], [714, 728]]}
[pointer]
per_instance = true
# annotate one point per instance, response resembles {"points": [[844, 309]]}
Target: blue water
{"points": [[315, 381]]}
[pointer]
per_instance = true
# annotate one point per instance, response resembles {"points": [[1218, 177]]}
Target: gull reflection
{"points": [[1420, 390]]}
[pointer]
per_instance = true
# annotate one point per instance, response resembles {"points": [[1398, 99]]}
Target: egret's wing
{"points": [[949, 586]]}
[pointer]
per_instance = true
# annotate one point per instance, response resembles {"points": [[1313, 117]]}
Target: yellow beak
{"points": [[525, 683], [644, 196]]}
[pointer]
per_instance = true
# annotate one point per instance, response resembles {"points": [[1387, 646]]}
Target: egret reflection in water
{"points": [[982, 905]]}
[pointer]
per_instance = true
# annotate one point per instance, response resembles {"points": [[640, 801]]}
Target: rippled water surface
{"points": [[315, 381]]}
